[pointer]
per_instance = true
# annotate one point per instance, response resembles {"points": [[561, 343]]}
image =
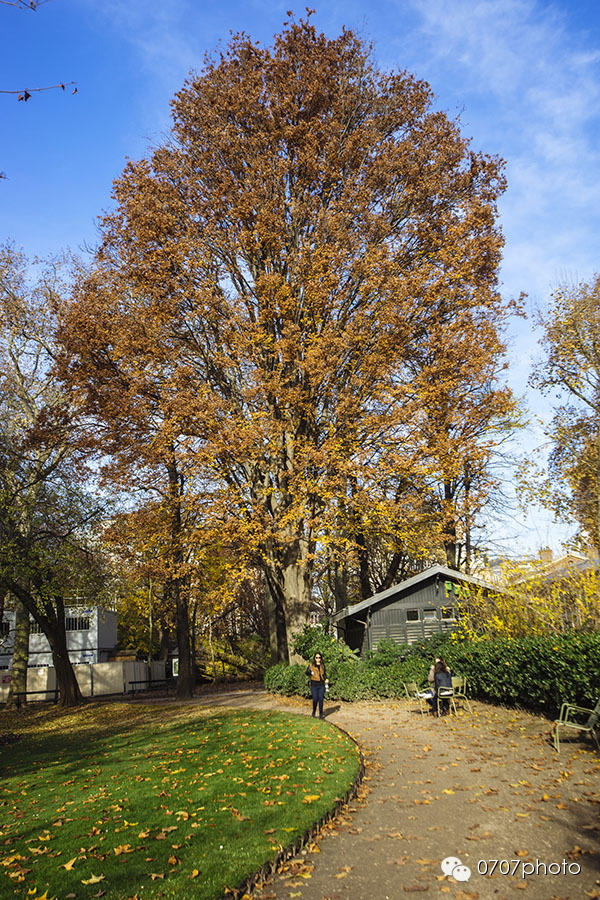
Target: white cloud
{"points": [[531, 89]]}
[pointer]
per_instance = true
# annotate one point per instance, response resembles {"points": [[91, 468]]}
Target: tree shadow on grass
{"points": [[71, 739]]}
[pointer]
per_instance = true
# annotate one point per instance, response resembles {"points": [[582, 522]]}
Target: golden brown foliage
{"points": [[261, 306]]}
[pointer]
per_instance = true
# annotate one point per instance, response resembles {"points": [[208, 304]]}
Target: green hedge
{"points": [[537, 673]]}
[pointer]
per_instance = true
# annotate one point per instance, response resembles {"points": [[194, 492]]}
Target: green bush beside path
{"points": [[537, 673]]}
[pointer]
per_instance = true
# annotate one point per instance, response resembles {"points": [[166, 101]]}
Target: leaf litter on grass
{"points": [[189, 801]]}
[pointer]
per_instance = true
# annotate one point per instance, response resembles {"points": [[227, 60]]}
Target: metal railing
{"points": [[25, 694], [155, 685]]}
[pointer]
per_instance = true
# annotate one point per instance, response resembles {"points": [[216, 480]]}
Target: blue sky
{"points": [[524, 75]]}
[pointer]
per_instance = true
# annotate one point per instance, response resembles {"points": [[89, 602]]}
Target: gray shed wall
{"points": [[389, 620]]}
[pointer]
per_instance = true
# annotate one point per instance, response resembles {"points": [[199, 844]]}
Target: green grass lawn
{"points": [[118, 801]]}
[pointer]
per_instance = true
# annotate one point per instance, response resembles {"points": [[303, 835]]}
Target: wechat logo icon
{"points": [[453, 866]]}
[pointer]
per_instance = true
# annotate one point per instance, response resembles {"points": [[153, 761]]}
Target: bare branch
{"points": [[27, 92], [30, 5]]}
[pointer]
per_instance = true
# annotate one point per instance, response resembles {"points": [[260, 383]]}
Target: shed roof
{"points": [[403, 586]]}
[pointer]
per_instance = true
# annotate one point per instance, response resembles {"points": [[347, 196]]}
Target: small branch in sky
{"points": [[31, 5], [26, 94]]}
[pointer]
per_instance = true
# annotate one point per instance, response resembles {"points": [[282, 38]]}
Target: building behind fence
{"points": [[91, 637]]}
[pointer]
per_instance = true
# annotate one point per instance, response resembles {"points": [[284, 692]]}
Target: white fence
{"points": [[94, 679]]}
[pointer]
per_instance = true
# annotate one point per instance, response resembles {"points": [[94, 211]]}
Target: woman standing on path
{"points": [[317, 674]]}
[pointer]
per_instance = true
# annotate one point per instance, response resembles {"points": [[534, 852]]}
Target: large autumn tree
{"points": [[570, 372], [275, 267]]}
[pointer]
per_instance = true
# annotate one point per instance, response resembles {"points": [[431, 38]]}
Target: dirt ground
{"points": [[486, 791]]}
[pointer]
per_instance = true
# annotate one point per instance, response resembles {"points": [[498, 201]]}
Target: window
{"points": [[77, 623], [429, 614], [4, 629], [412, 615], [447, 612], [34, 628]]}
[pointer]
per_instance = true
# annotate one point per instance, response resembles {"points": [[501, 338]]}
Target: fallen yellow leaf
{"points": [[69, 865], [95, 879], [123, 848]]}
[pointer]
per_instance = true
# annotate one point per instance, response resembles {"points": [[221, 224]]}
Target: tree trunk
{"points": [[185, 678], [18, 675], [297, 593], [50, 616], [467, 468], [276, 610], [193, 640], [396, 561], [449, 535], [288, 576], [597, 541], [150, 625], [338, 584], [68, 688], [165, 640], [361, 544]]}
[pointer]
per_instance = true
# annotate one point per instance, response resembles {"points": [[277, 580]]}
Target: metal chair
{"points": [[445, 695], [414, 692], [459, 686], [569, 714]]}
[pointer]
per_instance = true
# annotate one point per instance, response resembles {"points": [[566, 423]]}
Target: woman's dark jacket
{"points": [[442, 679]]}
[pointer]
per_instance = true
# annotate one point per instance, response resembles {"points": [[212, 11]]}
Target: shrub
{"points": [[388, 653], [347, 681], [538, 672], [284, 679], [316, 639]]}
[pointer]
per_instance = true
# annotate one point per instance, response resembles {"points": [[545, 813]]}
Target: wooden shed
{"points": [[408, 612]]}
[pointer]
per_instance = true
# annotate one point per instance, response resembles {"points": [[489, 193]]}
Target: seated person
{"points": [[431, 676], [441, 678]]}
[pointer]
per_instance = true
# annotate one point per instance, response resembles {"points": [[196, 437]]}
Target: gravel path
{"points": [[481, 787]]}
